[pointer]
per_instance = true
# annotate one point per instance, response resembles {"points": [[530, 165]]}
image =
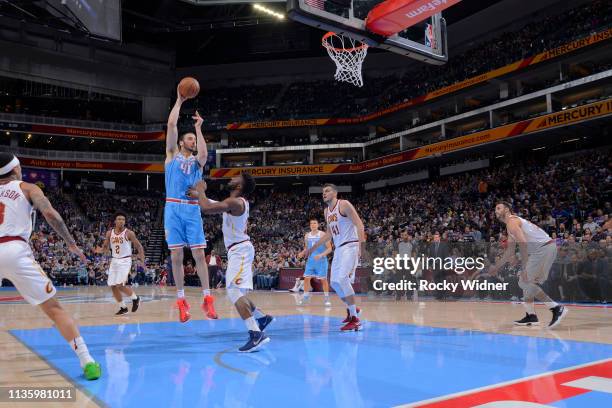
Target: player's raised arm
{"points": [[172, 131], [201, 142], [42, 204]]}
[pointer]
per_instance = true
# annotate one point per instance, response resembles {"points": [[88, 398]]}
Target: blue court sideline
{"points": [[308, 362]]}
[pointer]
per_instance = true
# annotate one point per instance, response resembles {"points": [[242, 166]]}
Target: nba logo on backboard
{"points": [[430, 39]]}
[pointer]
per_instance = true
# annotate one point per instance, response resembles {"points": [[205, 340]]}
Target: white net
{"points": [[348, 54]]}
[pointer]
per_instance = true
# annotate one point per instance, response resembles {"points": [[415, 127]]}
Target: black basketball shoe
{"points": [[558, 313], [135, 304], [528, 320], [264, 321], [122, 311]]}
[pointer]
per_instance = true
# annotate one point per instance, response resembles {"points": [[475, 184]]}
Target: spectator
{"points": [[214, 262]]}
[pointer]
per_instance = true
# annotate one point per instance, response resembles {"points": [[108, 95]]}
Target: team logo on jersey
{"points": [[332, 218]]}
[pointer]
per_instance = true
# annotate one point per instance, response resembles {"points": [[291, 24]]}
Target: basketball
{"points": [[189, 87]]}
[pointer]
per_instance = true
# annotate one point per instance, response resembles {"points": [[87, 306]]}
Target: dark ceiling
{"points": [[211, 34]]}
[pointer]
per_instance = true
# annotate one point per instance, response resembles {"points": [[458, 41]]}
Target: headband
{"points": [[6, 169]]}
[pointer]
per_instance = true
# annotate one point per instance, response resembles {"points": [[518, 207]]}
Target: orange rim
{"points": [[329, 45]]}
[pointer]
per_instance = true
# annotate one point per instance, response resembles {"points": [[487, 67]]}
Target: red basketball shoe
{"points": [[353, 324], [208, 306], [183, 308], [348, 315]]}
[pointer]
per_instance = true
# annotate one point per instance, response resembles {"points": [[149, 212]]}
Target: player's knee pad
{"points": [[234, 294]]}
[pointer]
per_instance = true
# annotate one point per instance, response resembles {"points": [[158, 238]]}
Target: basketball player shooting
{"points": [[538, 252], [240, 254], [346, 229], [119, 241], [185, 158], [17, 201]]}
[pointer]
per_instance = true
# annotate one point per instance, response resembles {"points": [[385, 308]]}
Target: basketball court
{"points": [[427, 353], [407, 353]]}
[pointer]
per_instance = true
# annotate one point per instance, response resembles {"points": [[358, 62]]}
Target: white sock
{"points": [[206, 292], [530, 308], [251, 324], [258, 314], [121, 303], [550, 305], [326, 294], [80, 348], [353, 310], [134, 296], [180, 293]]}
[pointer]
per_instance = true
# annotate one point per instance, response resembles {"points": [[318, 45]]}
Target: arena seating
{"points": [[564, 196], [318, 98], [559, 195]]}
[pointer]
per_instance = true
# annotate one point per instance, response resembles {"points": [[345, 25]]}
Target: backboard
{"points": [[414, 32]]}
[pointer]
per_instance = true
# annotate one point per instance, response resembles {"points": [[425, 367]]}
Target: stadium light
{"points": [[268, 11]]}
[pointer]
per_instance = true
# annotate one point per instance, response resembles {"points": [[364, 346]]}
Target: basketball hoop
{"points": [[348, 54]]}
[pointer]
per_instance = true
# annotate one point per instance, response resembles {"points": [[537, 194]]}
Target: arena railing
{"points": [[65, 155], [49, 120], [414, 131]]}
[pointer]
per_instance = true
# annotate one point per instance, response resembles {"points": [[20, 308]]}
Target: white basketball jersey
{"points": [[15, 211], [120, 244], [342, 228], [533, 233], [235, 227]]}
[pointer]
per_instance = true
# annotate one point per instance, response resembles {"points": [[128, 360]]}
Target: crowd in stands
{"points": [[220, 105], [329, 98], [88, 215], [568, 197], [99, 207]]}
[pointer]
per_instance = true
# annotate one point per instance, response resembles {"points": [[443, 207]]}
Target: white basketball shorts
{"points": [[19, 266], [119, 270]]}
